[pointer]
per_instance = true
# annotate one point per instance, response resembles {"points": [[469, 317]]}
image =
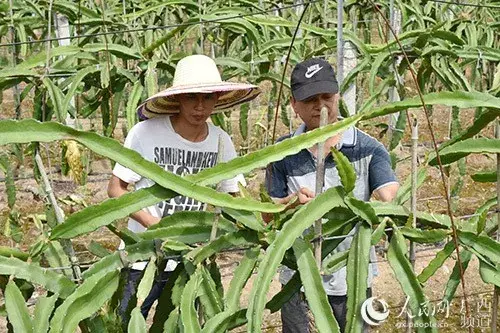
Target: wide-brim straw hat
{"points": [[197, 74]]}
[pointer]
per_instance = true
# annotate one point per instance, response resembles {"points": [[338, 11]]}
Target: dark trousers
{"points": [[295, 313], [130, 289]]}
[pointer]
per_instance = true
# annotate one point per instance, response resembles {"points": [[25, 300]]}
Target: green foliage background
{"points": [[125, 52]]}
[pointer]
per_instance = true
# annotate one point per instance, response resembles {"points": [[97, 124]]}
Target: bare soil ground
{"points": [[386, 285]]}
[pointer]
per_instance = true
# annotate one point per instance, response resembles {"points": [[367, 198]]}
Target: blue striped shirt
{"points": [[373, 169]]}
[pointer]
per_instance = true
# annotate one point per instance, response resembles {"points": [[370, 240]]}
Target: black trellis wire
{"points": [[30, 304], [161, 27], [178, 257], [371, 262], [464, 217], [465, 4], [60, 181], [217, 20], [240, 249], [82, 265]]}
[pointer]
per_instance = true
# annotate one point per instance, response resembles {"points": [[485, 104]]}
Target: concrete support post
{"points": [[350, 62], [395, 21], [62, 31]]}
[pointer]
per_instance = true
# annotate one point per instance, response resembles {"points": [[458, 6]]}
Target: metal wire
{"points": [[417, 257], [463, 217], [176, 257], [465, 4], [85, 265], [349, 235], [161, 27], [218, 20], [371, 262], [240, 249], [57, 169], [236, 249]]}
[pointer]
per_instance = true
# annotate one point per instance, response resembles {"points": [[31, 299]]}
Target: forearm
{"points": [[386, 193], [145, 218], [289, 201], [116, 189]]}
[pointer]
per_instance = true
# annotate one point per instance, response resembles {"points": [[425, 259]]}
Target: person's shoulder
{"points": [[288, 158], [284, 137], [156, 121], [366, 141], [216, 131], [150, 126], [148, 123]]}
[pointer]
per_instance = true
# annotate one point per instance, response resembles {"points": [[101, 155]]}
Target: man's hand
{"points": [[303, 195], [117, 188]]}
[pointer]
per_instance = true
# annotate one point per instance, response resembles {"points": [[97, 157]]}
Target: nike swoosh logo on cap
{"points": [[309, 74]]}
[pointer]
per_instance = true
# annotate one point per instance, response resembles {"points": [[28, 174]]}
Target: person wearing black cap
{"points": [[314, 86]]}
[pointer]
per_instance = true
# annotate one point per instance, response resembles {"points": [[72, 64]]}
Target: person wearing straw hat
{"points": [[292, 180], [175, 134]]}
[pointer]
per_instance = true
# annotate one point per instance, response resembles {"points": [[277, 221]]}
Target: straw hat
{"points": [[197, 74]]}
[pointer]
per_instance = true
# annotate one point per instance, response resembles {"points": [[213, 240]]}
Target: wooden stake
{"points": [[66, 243], [201, 12], [320, 182], [395, 21], [340, 42], [414, 169], [496, 291], [17, 99], [218, 211]]}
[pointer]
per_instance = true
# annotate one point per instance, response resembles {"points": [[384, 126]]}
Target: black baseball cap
{"points": [[311, 77]]}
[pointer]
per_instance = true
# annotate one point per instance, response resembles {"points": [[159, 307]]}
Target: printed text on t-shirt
{"points": [[182, 162]]}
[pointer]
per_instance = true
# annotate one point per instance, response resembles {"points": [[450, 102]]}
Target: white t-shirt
{"points": [[156, 140]]}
